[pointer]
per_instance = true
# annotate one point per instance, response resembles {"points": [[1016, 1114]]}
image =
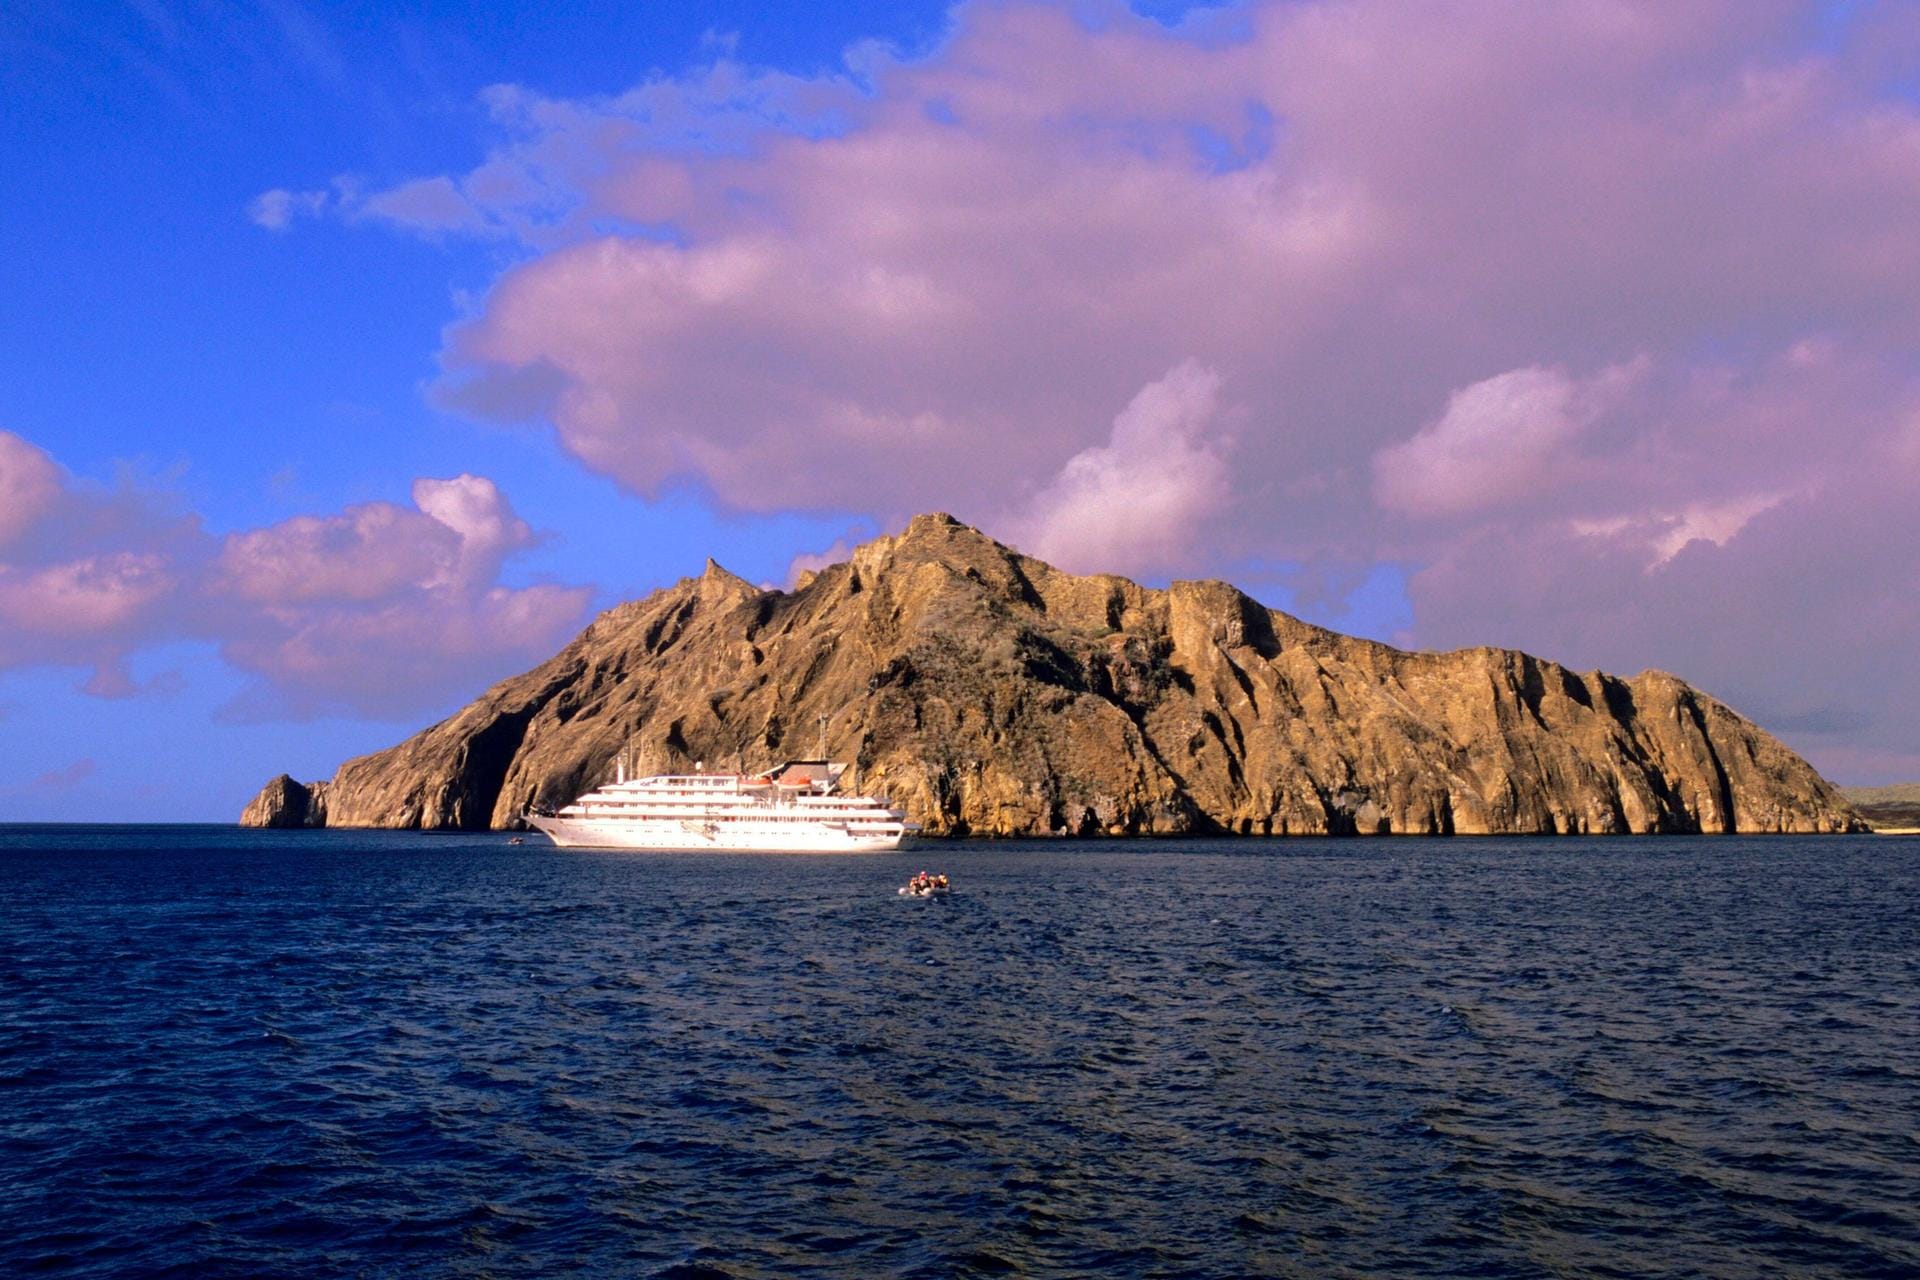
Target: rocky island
{"points": [[991, 694]]}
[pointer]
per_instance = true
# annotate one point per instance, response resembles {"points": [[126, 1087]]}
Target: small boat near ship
{"points": [[795, 807], [925, 886]]}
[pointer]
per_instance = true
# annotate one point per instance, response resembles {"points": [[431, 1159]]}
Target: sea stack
{"points": [[989, 693], [286, 803]]}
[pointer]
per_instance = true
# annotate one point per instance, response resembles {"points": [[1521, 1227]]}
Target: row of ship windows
{"points": [[811, 810], [727, 785], [803, 818], [729, 797]]}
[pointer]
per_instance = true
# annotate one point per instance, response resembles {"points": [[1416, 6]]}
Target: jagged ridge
{"points": [[991, 693]]}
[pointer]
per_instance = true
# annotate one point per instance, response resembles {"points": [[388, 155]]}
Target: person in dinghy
{"points": [[924, 885]]}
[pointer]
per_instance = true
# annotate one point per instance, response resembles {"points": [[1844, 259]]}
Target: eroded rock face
{"points": [[992, 694], [286, 803]]}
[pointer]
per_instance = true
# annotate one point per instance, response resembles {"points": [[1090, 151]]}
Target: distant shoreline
{"points": [[1889, 811]]}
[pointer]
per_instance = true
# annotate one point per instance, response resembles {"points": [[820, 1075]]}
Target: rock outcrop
{"points": [[992, 694], [286, 803]]}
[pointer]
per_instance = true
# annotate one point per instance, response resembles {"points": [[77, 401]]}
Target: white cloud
{"points": [[1665, 534], [381, 608], [1499, 439], [1136, 502]]}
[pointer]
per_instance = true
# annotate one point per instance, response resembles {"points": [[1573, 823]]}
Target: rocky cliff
{"points": [[286, 803], [992, 694]]}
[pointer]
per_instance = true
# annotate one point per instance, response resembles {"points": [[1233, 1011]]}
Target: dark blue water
{"points": [[242, 1053]]}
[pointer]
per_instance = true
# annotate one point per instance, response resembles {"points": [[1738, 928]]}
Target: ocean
{"points": [[241, 1053]]}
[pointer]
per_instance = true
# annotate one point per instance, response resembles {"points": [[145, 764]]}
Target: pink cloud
{"points": [[381, 609], [392, 659], [1140, 498], [1667, 533], [89, 596], [1501, 437], [368, 552], [459, 533], [1578, 304], [933, 303], [86, 573], [480, 517], [29, 485]]}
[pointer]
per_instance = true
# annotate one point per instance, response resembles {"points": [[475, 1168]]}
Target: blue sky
{"points": [[1305, 415], [152, 331], [154, 336], [152, 325]]}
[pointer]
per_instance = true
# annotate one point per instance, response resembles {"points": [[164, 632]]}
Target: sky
{"points": [[353, 356]]}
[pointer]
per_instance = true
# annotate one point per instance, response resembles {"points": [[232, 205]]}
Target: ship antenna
{"points": [[823, 736]]}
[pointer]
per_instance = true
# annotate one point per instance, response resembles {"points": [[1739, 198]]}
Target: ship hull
{"points": [[735, 837]]}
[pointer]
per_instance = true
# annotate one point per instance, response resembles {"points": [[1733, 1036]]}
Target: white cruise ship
{"points": [[794, 808]]}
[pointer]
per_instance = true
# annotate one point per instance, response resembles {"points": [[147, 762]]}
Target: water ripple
{"points": [[236, 1053]]}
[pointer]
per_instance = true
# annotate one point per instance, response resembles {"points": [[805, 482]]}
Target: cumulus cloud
{"points": [[29, 485], [1411, 239], [907, 282], [1140, 498], [86, 573], [1499, 438], [381, 605], [478, 513], [382, 610], [368, 552]]}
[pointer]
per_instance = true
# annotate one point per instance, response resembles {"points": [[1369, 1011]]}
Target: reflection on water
{"points": [[240, 1052]]}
